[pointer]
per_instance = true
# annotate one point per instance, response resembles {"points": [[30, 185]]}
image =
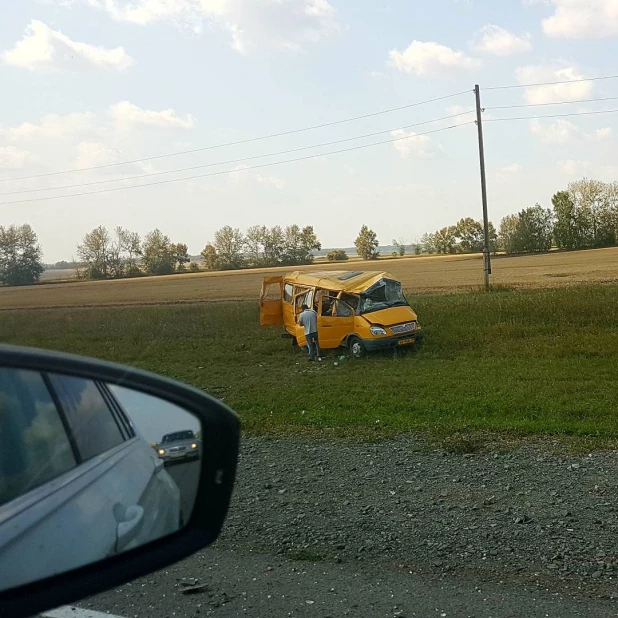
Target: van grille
{"points": [[401, 329]]}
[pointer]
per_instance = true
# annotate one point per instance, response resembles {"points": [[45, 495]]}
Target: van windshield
{"points": [[384, 294]]}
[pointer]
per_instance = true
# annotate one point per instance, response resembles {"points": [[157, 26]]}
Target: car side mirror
{"points": [[107, 473]]}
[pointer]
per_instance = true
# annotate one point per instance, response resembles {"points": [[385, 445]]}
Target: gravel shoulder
{"points": [[522, 515], [392, 529]]}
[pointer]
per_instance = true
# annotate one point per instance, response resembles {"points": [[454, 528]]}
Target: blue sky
{"points": [[94, 82]]}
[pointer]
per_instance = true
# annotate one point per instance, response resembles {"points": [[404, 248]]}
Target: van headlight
{"points": [[376, 331], [161, 451]]}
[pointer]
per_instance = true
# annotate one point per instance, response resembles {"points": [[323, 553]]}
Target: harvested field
{"points": [[420, 275]]}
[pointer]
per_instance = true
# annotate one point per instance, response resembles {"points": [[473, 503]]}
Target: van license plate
{"points": [[406, 341]]}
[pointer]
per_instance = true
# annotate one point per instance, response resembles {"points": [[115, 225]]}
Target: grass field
{"points": [[539, 361], [419, 275]]}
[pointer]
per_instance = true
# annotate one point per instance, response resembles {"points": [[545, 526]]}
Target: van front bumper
{"points": [[390, 343]]}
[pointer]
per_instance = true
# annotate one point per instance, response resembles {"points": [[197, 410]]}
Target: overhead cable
{"points": [[253, 167], [242, 141], [231, 161]]}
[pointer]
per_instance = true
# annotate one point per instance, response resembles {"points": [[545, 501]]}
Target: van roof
{"points": [[346, 280]]}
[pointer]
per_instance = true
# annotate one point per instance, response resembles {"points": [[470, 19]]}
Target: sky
{"points": [[154, 417], [91, 83]]}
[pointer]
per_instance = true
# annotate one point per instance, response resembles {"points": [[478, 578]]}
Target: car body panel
{"points": [[79, 507]]}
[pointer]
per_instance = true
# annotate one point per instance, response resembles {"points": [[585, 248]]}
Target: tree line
{"points": [[583, 216]]}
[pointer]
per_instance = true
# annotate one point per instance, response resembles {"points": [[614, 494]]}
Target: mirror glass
{"points": [[88, 470]]}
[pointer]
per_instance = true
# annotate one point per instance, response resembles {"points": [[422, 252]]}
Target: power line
{"points": [[567, 81], [606, 111], [241, 160], [555, 103], [253, 167], [243, 141]]}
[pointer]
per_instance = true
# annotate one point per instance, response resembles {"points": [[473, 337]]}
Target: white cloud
{"points": [[500, 42], [52, 126], [430, 58], [413, 146], [273, 182], [578, 19], [251, 24], [508, 172], [42, 48], [14, 158], [603, 134], [127, 115], [574, 168], [556, 92], [91, 153], [564, 131]]}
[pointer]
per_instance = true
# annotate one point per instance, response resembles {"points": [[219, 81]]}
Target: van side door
{"points": [[271, 303], [335, 322]]}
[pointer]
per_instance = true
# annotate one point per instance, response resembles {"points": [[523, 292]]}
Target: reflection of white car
{"points": [[179, 446], [80, 483]]}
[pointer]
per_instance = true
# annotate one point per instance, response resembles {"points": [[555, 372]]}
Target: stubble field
{"points": [[419, 275], [523, 360]]}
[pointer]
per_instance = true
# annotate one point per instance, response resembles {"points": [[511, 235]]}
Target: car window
{"points": [[288, 293], [92, 423], [342, 310], [35, 446]]}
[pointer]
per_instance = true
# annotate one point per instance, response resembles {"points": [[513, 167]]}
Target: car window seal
{"points": [[63, 418]]}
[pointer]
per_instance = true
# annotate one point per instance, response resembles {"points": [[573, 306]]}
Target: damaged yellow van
{"points": [[361, 310]]}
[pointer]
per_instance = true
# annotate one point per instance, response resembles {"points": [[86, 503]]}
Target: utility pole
{"points": [[479, 124]]}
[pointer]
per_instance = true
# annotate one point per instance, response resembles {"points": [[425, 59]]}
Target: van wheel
{"points": [[356, 347]]}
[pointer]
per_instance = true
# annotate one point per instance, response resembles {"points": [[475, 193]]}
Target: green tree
{"points": [[566, 227], [444, 240], [229, 244], [95, 252], [400, 247], [427, 243], [535, 229], [367, 244], [180, 255], [254, 244], [131, 248], [210, 257], [529, 231], [20, 255], [471, 235], [337, 255], [273, 243], [299, 244], [595, 212], [157, 255], [508, 235]]}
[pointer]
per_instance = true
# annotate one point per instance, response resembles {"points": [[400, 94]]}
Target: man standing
{"points": [[309, 319]]}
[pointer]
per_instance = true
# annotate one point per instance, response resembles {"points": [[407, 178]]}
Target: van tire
{"points": [[356, 347]]}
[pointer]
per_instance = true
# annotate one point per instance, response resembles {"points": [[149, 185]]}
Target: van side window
{"points": [[288, 292], [351, 300], [342, 310]]}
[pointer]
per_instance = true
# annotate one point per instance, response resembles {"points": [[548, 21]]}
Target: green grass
{"points": [[516, 362]]}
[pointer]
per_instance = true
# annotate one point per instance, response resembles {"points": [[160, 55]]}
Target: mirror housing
{"points": [[220, 434]]}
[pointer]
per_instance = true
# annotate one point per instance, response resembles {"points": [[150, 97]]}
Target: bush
{"points": [[338, 255], [194, 267]]}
